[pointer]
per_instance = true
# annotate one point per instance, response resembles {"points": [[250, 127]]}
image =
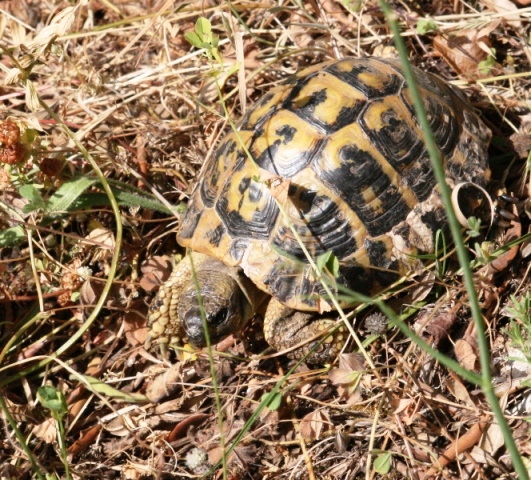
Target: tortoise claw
{"points": [[502, 212]]}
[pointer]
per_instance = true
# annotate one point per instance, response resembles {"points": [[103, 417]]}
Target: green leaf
{"points": [[124, 198], [272, 400], [232, 70], [216, 55], [12, 236], [485, 67], [425, 25], [203, 28], [100, 386], [67, 193], [29, 192], [193, 39], [352, 6], [329, 262], [475, 227], [382, 463], [52, 399]]}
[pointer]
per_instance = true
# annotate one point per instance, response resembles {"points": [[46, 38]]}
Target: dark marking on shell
{"points": [[215, 236], [444, 125], [435, 220], [357, 278], [360, 171], [351, 77], [387, 270], [258, 229], [346, 117], [288, 279], [304, 107], [210, 179], [288, 132], [298, 162], [237, 249], [189, 221], [320, 227]]}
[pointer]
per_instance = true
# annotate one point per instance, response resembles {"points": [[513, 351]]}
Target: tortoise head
{"points": [[225, 303]]}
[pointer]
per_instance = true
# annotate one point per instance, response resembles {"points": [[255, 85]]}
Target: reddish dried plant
{"points": [[12, 151]]}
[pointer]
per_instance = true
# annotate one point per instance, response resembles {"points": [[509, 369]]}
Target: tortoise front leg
{"points": [[285, 328]]}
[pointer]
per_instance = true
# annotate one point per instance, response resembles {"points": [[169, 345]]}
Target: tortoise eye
{"points": [[219, 318]]}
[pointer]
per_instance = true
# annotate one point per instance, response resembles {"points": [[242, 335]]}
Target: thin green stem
{"points": [[114, 262], [215, 385], [462, 254], [61, 440], [29, 454]]}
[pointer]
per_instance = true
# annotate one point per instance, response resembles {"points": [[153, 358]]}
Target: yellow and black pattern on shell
{"points": [[344, 138]]}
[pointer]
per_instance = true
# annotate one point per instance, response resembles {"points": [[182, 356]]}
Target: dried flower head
{"points": [[13, 154], [11, 150], [50, 166], [9, 133]]}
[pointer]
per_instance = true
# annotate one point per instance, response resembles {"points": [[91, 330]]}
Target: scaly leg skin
{"points": [[285, 328], [163, 321]]}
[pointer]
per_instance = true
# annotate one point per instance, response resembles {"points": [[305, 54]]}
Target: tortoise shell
{"points": [[343, 145]]}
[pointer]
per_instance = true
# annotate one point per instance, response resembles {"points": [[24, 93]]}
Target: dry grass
{"points": [[140, 100]]}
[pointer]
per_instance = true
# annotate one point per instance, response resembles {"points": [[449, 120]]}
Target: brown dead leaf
{"points": [[314, 424], [459, 390], [135, 328], [466, 355], [507, 8], [406, 409], [348, 376], [422, 287], [90, 292], [297, 32], [501, 263], [166, 384], [492, 439], [156, 271], [401, 404], [521, 143], [214, 455], [180, 430], [104, 239], [465, 49], [438, 328], [242, 455], [46, 431], [464, 442], [87, 439], [323, 306], [350, 367]]}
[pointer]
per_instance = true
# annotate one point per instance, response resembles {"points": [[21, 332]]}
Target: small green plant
{"points": [[352, 6], [474, 227], [382, 463], [272, 400], [426, 25], [202, 37], [484, 252], [54, 400], [519, 328], [329, 262], [486, 66]]}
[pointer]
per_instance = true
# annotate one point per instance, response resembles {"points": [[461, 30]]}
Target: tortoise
{"points": [[333, 160]]}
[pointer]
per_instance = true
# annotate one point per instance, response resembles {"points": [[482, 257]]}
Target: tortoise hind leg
{"points": [[285, 328]]}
